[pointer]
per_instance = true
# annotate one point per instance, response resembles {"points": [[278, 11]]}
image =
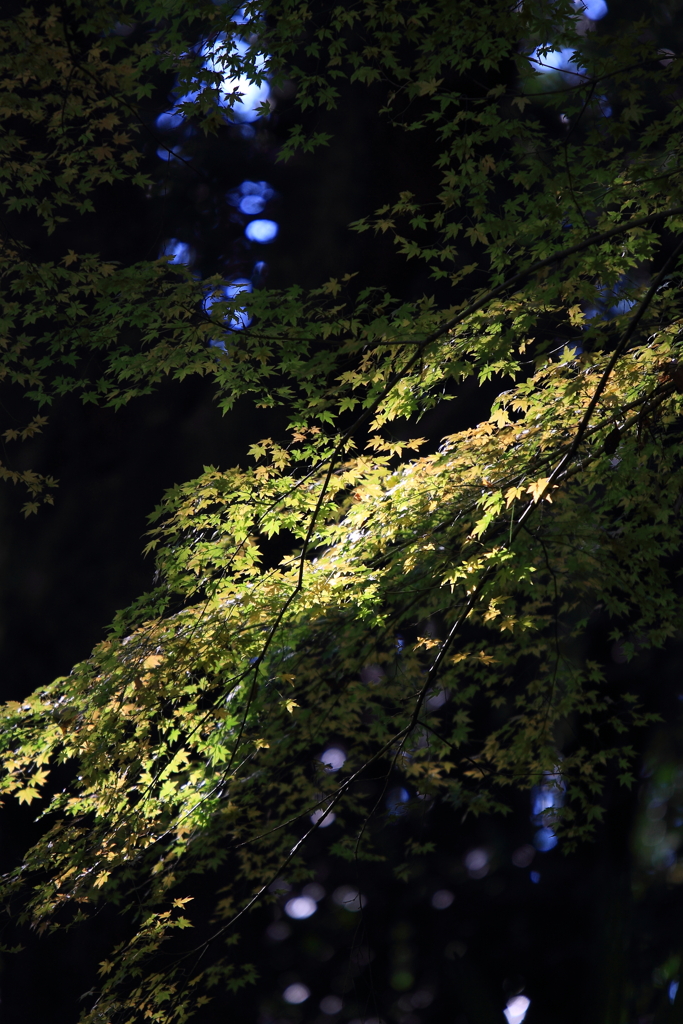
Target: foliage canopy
{"points": [[192, 735]]}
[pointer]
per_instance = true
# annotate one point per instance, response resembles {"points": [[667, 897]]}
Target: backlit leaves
{"points": [[190, 739]]}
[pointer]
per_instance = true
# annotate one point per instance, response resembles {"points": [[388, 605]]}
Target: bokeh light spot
{"points": [[545, 839], [623, 306], [237, 286], [251, 205], [250, 94], [239, 318], [300, 907], [442, 899], [251, 194], [397, 799], [170, 154], [523, 856], [296, 993], [180, 252], [327, 820], [333, 758], [554, 60], [477, 863], [593, 9], [516, 1009], [331, 1004], [262, 231], [169, 121]]}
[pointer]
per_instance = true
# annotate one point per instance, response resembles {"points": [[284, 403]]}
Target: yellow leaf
{"points": [[512, 494], [536, 490], [426, 642], [27, 795], [458, 658]]}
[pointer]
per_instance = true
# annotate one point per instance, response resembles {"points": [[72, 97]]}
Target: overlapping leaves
{"points": [[430, 610]]}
